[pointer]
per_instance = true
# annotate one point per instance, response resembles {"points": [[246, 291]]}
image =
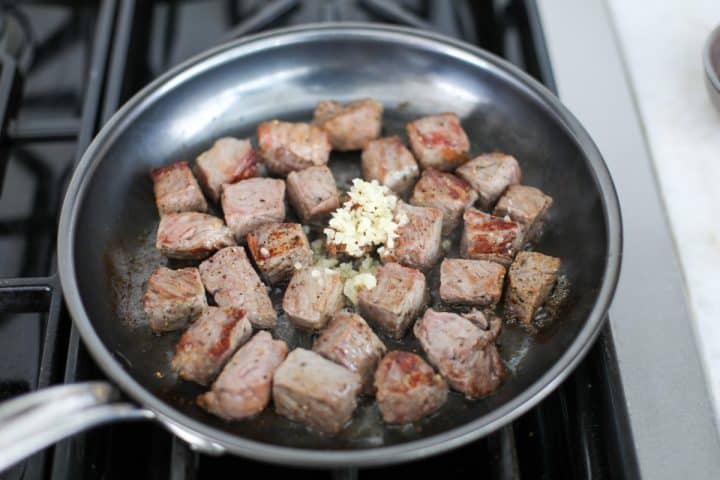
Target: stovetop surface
{"points": [[66, 69]]}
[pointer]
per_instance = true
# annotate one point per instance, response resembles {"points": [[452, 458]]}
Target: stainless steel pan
{"points": [[108, 219]]}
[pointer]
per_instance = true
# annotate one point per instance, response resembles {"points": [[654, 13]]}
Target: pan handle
{"points": [[34, 421]]}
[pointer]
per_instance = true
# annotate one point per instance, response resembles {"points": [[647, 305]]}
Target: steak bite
{"points": [[438, 141], [285, 147], [398, 298], [486, 321], [312, 297], [471, 282], [445, 191], [209, 343], [191, 235], [352, 126], [279, 249], [491, 238], [176, 189], [244, 385], [313, 193], [530, 280], [463, 352], [251, 203], [408, 389], [310, 389], [389, 162], [229, 160], [173, 298], [490, 175], [526, 205], [233, 282], [419, 234], [350, 342]]}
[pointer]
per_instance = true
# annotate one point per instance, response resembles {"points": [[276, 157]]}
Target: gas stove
{"points": [[66, 69]]}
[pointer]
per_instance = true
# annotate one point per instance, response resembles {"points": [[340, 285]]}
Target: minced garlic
{"points": [[365, 220], [361, 281]]}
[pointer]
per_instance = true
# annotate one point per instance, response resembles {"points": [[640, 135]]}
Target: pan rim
{"points": [[412, 450]]}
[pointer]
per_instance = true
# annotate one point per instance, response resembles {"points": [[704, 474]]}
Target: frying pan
{"points": [[108, 222]]}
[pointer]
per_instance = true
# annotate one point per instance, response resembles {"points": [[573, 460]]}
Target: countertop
{"points": [[662, 44]]}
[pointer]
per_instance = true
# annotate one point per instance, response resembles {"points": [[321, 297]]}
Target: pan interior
{"points": [[116, 221]]}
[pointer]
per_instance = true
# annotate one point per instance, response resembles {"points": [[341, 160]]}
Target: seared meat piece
{"points": [[173, 298], [487, 237], [530, 280], [350, 342], [176, 189], [408, 389], [191, 235], [243, 388], [251, 203], [310, 389], [526, 205], [445, 191], [233, 282], [464, 353], [419, 234], [389, 162], [471, 282], [279, 249], [313, 193], [285, 147], [486, 321], [352, 126], [228, 161], [397, 299], [209, 343], [490, 174], [312, 297], [438, 141]]}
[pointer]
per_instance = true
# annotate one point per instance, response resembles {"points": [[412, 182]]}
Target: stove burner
{"points": [[452, 18]]}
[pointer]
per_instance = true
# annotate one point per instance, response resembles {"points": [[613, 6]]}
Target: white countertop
{"points": [[662, 44]]}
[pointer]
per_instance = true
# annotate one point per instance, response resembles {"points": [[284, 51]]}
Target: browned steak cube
{"points": [[352, 126], [313, 296], [279, 249], [233, 282], [310, 389], [228, 161], [209, 343], [486, 321], [191, 235], [418, 237], [471, 282], [244, 385], [388, 161], [491, 238], [173, 298], [251, 203], [408, 389], [313, 193], [445, 191], [438, 141], [526, 205], [490, 175], [285, 147], [398, 298], [176, 189], [463, 353], [530, 280], [350, 342]]}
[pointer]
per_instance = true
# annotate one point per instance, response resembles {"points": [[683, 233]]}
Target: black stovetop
{"points": [[64, 71]]}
